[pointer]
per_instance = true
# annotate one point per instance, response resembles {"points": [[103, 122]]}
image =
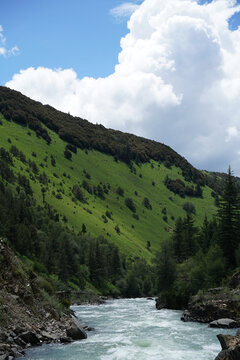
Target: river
{"points": [[132, 329]]}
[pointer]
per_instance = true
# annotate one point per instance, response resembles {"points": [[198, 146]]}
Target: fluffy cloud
{"points": [[3, 50], [177, 81]]}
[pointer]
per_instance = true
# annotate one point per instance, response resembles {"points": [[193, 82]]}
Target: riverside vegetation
{"points": [[92, 209]]}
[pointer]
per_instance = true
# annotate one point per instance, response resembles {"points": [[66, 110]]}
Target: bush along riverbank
{"points": [[29, 316]]}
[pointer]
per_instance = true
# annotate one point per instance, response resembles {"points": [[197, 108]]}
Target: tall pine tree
{"points": [[228, 213]]}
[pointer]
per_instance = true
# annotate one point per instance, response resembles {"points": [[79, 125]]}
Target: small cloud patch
{"points": [[3, 49]]}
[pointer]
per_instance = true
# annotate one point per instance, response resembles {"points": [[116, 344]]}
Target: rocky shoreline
{"points": [[29, 316], [14, 340]]}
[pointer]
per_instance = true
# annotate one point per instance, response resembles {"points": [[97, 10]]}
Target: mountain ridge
{"points": [[124, 146]]}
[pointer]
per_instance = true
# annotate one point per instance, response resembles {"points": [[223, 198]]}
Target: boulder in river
{"points": [[224, 323], [75, 331]]}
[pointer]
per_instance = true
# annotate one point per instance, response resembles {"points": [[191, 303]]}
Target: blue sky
{"points": [[58, 33], [175, 78], [77, 34]]}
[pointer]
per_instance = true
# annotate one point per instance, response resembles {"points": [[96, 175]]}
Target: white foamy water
{"points": [[132, 329]]}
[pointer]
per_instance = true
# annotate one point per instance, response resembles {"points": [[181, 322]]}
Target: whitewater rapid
{"points": [[132, 329]]}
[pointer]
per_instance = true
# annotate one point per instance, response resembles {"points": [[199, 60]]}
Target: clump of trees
{"points": [[178, 187], [198, 258]]}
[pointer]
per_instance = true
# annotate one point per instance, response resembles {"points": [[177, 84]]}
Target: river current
{"points": [[132, 329]]}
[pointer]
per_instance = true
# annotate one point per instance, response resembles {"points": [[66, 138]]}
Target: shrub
{"points": [[77, 192], [105, 220], [147, 204], [108, 214], [165, 218], [53, 161], [130, 204], [68, 154], [117, 229], [120, 191], [87, 187], [71, 148], [164, 211], [135, 216], [189, 208]]}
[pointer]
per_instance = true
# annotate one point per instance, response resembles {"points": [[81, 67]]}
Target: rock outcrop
{"points": [[230, 347], [215, 304]]}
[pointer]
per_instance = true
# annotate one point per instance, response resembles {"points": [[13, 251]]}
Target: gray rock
{"points": [[75, 331], [65, 340], [186, 316], [10, 340], [230, 354], [224, 323], [19, 341], [18, 330], [30, 337], [3, 336], [47, 335], [230, 347], [3, 357]]}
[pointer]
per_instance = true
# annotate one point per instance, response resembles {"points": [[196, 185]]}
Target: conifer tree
{"points": [[228, 213], [178, 240]]}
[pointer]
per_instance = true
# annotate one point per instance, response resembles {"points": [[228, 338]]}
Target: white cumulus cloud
{"points": [[177, 81]]}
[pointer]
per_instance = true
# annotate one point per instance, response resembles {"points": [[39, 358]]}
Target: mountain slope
{"points": [[83, 184]]}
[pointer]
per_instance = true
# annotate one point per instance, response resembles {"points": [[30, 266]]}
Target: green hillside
{"points": [[98, 175]]}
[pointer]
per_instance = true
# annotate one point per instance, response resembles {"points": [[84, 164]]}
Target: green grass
{"points": [[134, 234]]}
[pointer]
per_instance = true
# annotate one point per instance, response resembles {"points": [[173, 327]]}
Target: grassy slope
{"points": [[103, 168]]}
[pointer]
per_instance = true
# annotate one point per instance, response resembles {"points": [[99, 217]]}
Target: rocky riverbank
{"points": [[29, 316], [220, 307], [212, 305]]}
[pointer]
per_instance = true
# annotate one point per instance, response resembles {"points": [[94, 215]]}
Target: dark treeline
{"points": [[36, 233], [85, 135], [197, 258]]}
